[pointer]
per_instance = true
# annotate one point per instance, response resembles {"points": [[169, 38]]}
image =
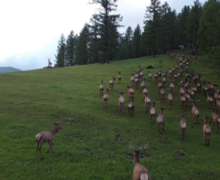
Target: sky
{"points": [[30, 29]]}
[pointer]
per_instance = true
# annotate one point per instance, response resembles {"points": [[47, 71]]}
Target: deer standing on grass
{"points": [[101, 88], [49, 63], [149, 76], [215, 118], [132, 79], [130, 92], [147, 102], [182, 126], [119, 77], [121, 100], [172, 87], [105, 98], [131, 107], [111, 83], [46, 136], [170, 98], [195, 111], [139, 172], [206, 131], [209, 100], [143, 84], [141, 74], [161, 119], [153, 112]]}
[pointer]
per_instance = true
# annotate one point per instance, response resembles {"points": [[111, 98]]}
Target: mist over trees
{"points": [[164, 30]]}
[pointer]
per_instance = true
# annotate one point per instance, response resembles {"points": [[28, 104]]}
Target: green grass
{"points": [[93, 143]]}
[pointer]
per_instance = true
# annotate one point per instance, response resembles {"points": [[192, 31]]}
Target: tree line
{"points": [[164, 31]]}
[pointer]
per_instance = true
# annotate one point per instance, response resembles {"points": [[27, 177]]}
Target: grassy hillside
{"points": [[93, 142]]}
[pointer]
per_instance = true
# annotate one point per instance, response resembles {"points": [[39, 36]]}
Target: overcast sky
{"points": [[30, 29]]}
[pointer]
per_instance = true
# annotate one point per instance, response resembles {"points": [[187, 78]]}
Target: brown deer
{"points": [[215, 118], [182, 126], [153, 112], [46, 136], [195, 111], [161, 119], [131, 107], [130, 92], [170, 98], [105, 98], [149, 76], [206, 131], [139, 172], [119, 77], [183, 102], [121, 100], [147, 102], [132, 79], [101, 88], [111, 83]]}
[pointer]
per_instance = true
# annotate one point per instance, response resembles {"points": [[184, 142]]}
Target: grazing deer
{"points": [[131, 107], [111, 83], [161, 119], [182, 126], [105, 98], [206, 131], [119, 77], [139, 172], [46, 136], [101, 88]]}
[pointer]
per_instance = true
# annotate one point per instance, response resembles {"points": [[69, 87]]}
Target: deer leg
{"points": [[41, 144], [37, 149]]}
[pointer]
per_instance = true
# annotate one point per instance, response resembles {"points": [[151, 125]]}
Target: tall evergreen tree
{"points": [[105, 21], [60, 56], [82, 55], [70, 54], [208, 32], [136, 42], [152, 24]]}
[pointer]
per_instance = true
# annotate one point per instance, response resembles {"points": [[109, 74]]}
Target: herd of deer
{"points": [[190, 87], [187, 94]]}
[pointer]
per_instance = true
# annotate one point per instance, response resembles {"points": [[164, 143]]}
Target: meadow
{"points": [[94, 142]]}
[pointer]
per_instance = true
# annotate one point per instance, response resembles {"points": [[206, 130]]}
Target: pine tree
{"points": [[152, 25], [82, 55], [60, 56], [105, 21], [136, 42], [70, 54]]}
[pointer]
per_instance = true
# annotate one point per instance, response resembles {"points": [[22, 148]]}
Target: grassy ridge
{"points": [[93, 143]]}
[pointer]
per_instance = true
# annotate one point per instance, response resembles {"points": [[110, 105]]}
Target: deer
{"points": [[195, 111], [141, 74], [139, 172], [105, 98], [162, 93], [111, 83], [121, 100], [171, 56], [172, 87], [130, 92], [183, 102], [215, 118], [149, 76], [209, 100], [101, 88], [147, 102], [136, 81], [49, 63], [132, 79], [161, 119], [182, 127], [119, 77], [131, 107], [143, 84], [170, 98], [153, 112], [46, 136], [156, 76], [206, 131]]}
